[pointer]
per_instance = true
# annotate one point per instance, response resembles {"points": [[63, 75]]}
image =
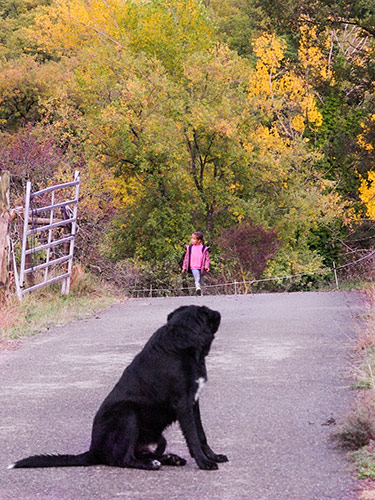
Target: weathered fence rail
{"points": [[31, 213]]}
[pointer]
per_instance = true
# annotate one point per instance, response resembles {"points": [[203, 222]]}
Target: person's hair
{"points": [[199, 236]]}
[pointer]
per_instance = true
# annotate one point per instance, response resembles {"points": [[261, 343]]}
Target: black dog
{"points": [[160, 386]]}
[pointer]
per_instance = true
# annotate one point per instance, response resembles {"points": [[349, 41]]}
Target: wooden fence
{"points": [[45, 226]]}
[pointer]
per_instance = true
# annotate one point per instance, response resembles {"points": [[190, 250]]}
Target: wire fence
{"points": [[245, 286]]}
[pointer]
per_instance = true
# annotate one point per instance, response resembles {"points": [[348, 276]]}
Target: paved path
{"points": [[277, 375]]}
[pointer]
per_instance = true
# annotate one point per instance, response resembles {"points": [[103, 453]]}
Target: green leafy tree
{"points": [[16, 16]]}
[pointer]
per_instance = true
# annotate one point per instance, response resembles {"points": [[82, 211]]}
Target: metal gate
{"points": [[32, 217]]}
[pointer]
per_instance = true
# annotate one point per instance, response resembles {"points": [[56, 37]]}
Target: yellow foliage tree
{"points": [[366, 143], [367, 193], [168, 30], [315, 64], [285, 98]]}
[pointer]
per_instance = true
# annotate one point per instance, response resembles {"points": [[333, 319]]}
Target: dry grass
{"points": [[358, 431], [359, 428], [44, 309]]}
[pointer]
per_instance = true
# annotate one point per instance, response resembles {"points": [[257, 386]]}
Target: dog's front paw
{"points": [[207, 464], [213, 456]]}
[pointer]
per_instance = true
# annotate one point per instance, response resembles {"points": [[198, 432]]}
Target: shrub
{"points": [[359, 429], [246, 249]]}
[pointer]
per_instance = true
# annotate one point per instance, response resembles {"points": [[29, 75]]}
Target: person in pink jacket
{"points": [[197, 260]]}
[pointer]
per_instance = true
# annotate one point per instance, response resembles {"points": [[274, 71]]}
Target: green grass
{"points": [[354, 284], [361, 384], [364, 460]]}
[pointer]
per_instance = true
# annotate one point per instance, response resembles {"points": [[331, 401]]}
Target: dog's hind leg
{"points": [[158, 454], [161, 445], [167, 458], [171, 459], [124, 447], [202, 437]]}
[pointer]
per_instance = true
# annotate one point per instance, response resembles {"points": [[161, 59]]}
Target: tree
{"points": [[16, 16], [238, 23], [169, 30], [286, 101], [172, 143], [24, 84], [286, 14]]}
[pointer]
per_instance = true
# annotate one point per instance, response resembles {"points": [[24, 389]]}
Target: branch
{"points": [[339, 22], [193, 165]]}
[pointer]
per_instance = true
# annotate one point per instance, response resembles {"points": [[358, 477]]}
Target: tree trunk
{"points": [[4, 229]]}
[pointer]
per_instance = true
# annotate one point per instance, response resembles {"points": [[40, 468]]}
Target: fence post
{"points": [[4, 228], [335, 273], [65, 287], [24, 237]]}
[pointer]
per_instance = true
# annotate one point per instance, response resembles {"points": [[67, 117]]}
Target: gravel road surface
{"points": [[278, 387]]}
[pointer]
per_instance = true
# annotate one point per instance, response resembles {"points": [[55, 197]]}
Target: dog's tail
{"points": [[83, 459]]}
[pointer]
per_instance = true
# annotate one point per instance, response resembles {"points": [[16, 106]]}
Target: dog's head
{"points": [[194, 326]]}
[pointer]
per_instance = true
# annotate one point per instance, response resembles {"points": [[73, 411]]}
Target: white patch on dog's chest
{"points": [[200, 383]]}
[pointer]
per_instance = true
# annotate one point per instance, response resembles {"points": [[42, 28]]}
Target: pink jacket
{"points": [[205, 261]]}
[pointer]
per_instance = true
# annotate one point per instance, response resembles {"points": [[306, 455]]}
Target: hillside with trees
{"points": [[250, 121]]}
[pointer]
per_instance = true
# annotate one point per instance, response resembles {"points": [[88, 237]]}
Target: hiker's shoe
{"points": [[198, 291]]}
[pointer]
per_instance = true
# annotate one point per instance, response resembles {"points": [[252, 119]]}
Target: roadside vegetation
{"points": [[45, 309], [357, 433]]}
